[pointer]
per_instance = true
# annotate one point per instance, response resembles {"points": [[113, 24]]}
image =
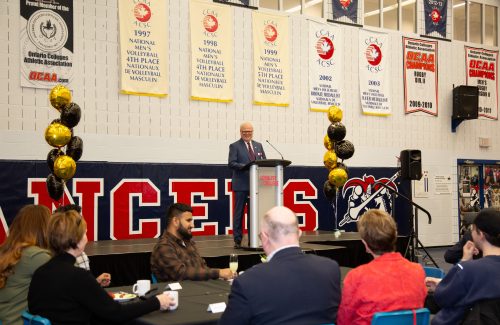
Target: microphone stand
{"points": [[413, 239], [275, 149]]}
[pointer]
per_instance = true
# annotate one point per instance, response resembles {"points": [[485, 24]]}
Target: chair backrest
{"points": [[434, 272], [402, 317], [153, 279], [484, 312], [29, 319]]}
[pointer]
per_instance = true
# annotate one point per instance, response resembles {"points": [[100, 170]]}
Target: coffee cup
{"points": [[175, 296], [141, 287]]}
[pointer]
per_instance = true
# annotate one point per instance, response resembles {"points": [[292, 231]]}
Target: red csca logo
{"points": [[270, 33], [43, 76], [373, 54], [324, 47], [210, 23], [142, 12]]}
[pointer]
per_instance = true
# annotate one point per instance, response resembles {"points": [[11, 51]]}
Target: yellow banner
{"points": [[211, 51], [270, 59], [143, 47]]}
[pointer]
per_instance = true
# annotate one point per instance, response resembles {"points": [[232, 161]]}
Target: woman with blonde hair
{"points": [[66, 294], [21, 254]]}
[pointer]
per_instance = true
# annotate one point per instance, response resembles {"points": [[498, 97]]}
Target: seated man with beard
{"points": [[175, 256]]}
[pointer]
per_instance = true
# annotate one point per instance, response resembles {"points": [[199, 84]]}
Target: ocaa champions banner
{"points": [[127, 201]]}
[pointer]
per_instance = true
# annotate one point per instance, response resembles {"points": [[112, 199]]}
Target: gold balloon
{"points": [[330, 159], [335, 114], [64, 167], [60, 96], [328, 143], [337, 177], [57, 135]]}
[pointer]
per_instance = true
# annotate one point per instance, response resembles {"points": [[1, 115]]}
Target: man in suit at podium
{"points": [[241, 153]]}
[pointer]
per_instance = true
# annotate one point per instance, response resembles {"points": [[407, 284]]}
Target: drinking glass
{"points": [[233, 262]]}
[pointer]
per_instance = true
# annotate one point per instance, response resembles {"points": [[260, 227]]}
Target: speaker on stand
{"points": [[411, 164]]}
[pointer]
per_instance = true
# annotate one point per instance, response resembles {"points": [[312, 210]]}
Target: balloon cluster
{"points": [[337, 148], [59, 134]]}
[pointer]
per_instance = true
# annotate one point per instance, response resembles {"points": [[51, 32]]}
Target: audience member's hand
{"points": [[226, 274], [469, 250], [431, 283], [165, 301], [104, 279]]}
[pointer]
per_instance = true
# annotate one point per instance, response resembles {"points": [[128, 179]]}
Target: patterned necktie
{"points": [[251, 154]]}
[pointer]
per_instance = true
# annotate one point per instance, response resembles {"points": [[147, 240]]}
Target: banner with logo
{"points": [[420, 74], [435, 12], [46, 39], [325, 66], [347, 8], [143, 47], [270, 59], [374, 74], [482, 71], [211, 51]]}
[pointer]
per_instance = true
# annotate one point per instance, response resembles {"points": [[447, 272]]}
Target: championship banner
{"points": [[325, 66], [482, 71], [435, 12], [46, 39], [211, 51], [420, 74], [143, 47], [348, 8], [270, 59], [374, 74]]}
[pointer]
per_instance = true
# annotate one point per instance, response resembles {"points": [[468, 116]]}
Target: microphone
{"points": [[275, 149]]}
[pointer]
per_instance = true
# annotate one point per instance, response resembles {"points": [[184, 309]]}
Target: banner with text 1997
{"points": [[325, 66], [482, 71], [211, 51], [270, 59], [420, 74], [374, 74], [46, 40], [143, 47]]}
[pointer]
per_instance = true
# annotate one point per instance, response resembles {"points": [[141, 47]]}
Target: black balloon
{"points": [[344, 149], [70, 115], [329, 190], [57, 120], [75, 148], [51, 158], [55, 187], [336, 131]]}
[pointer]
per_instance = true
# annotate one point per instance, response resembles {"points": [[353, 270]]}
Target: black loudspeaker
{"points": [[465, 102], [411, 164]]}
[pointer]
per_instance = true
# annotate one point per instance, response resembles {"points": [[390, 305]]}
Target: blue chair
{"points": [[153, 278], [434, 272], [29, 319], [402, 317]]}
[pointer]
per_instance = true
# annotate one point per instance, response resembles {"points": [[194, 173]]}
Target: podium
{"points": [[266, 191]]}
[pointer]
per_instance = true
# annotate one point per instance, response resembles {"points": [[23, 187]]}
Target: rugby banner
{"points": [[325, 66], [420, 74]]}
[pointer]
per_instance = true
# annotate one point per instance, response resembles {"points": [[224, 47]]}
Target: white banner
{"points": [[420, 74], [482, 71], [143, 47], [46, 39], [270, 59], [374, 74], [211, 51], [326, 61]]}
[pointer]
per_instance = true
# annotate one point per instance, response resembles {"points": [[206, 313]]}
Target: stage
{"points": [[129, 260]]}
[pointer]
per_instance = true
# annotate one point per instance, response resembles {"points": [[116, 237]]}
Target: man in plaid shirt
{"points": [[175, 256]]}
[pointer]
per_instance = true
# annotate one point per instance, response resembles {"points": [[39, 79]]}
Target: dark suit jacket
{"points": [[238, 158], [292, 288]]}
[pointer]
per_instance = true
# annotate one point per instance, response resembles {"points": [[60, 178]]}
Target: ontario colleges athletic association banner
{"points": [[46, 40], [211, 51], [482, 71], [325, 66], [374, 74], [270, 59], [143, 47], [420, 74]]}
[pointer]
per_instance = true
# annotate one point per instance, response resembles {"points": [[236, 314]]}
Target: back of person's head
{"points": [[66, 229], [281, 225], [69, 207], [175, 210], [29, 228], [378, 230], [488, 221]]}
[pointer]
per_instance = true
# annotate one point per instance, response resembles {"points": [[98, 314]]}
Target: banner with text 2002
{"points": [[211, 51], [143, 47]]}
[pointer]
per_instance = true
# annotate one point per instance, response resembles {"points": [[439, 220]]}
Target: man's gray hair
{"points": [[278, 229]]}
